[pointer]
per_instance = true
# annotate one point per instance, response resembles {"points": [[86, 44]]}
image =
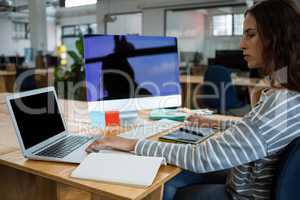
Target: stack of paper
{"points": [[119, 168]]}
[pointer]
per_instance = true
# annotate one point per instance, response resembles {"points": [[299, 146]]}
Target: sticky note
{"points": [[112, 118]]}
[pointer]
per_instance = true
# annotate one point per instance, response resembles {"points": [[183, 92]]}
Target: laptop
{"points": [[41, 130]]}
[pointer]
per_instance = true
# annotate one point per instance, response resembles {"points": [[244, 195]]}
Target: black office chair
{"points": [[287, 179], [25, 79], [220, 94]]}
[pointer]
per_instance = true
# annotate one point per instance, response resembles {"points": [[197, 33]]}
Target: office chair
{"points": [[287, 179], [25, 79], [220, 94]]}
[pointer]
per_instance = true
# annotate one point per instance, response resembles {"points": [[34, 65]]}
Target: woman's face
{"points": [[251, 43]]}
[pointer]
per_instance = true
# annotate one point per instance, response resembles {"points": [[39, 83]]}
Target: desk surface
{"points": [[43, 77], [236, 80], [60, 172], [36, 71], [8, 139], [2, 97]]}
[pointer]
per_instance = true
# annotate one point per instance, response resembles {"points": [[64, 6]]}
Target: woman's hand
{"points": [[112, 142], [202, 121]]}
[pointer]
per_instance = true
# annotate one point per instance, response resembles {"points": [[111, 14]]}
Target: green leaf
{"points": [[74, 66], [79, 45], [76, 58]]}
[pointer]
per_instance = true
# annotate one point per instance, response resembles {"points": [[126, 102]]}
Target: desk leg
{"points": [[18, 185], [10, 82], [65, 192], [186, 95], [183, 94], [2, 84], [156, 195]]}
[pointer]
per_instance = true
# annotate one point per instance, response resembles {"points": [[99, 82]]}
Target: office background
{"points": [[39, 33]]}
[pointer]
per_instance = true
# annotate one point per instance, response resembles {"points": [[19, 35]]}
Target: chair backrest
{"points": [[287, 179], [218, 82]]}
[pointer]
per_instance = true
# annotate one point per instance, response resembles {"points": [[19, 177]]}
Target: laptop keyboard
{"points": [[64, 147]]}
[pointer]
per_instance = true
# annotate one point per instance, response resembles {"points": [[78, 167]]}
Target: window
{"points": [[21, 30], [222, 25], [74, 3], [199, 39], [124, 24], [75, 30], [70, 34], [177, 26], [68, 30], [191, 35], [228, 25], [238, 20]]}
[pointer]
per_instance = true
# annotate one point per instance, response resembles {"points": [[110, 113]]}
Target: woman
{"points": [[251, 147]]}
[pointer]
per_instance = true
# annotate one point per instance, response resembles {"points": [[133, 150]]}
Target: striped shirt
{"points": [[251, 147]]}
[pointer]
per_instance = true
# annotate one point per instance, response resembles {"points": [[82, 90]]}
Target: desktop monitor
{"points": [[130, 73], [233, 59]]}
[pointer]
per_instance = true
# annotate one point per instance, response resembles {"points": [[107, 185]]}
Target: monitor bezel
{"points": [[141, 103]]}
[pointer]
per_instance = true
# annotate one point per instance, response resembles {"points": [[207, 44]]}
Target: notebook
{"points": [[120, 168]]}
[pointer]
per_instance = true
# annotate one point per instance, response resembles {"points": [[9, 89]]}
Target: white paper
{"points": [[119, 168]]}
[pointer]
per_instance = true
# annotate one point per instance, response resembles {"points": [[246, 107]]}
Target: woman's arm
{"points": [[244, 142], [209, 122], [238, 145], [128, 145]]}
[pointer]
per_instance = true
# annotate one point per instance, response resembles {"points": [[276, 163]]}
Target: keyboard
{"points": [[64, 147], [148, 130]]}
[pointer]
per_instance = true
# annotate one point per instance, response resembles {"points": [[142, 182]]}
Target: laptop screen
{"points": [[37, 117]]}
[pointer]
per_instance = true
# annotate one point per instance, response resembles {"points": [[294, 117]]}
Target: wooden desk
{"points": [[236, 80], [7, 78], [22, 179], [192, 83], [36, 71], [2, 97], [8, 139], [44, 78]]}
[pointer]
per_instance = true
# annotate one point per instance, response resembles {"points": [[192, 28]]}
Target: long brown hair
{"points": [[278, 25]]}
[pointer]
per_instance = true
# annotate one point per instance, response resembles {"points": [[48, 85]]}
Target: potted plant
{"points": [[70, 80]]}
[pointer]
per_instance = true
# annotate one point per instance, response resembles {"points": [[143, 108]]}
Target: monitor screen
{"points": [[37, 117], [124, 67]]}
